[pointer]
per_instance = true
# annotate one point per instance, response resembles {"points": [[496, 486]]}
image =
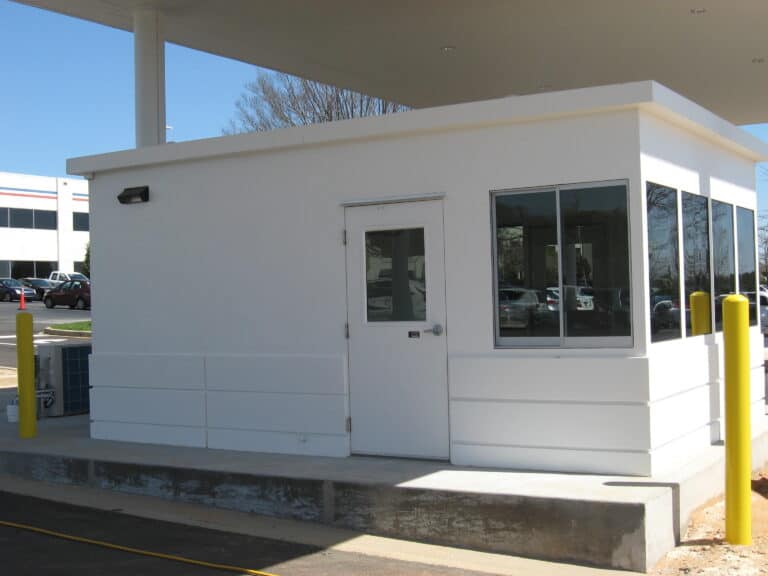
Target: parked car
{"points": [[39, 285], [75, 294], [10, 289], [521, 307], [59, 276]]}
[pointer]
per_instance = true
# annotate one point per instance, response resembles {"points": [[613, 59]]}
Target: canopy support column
{"points": [[149, 66]]}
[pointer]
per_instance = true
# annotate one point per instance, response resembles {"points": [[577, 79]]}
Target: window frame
{"points": [[562, 341]]}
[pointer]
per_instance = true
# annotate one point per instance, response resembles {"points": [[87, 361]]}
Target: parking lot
{"points": [[41, 317]]}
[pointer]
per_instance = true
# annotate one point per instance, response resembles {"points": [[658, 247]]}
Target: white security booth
{"points": [[500, 283]]}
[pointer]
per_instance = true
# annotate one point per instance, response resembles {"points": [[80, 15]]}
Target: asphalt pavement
{"points": [[24, 552], [41, 317]]}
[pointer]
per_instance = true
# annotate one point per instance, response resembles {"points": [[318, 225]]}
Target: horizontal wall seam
{"points": [[534, 447], [292, 432], [276, 393], [639, 403], [684, 435], [680, 393], [147, 388], [158, 425]]}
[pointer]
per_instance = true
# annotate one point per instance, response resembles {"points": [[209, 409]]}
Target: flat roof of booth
{"points": [[434, 52], [648, 96]]}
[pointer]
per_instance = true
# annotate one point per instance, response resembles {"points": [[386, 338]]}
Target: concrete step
{"points": [[612, 522]]}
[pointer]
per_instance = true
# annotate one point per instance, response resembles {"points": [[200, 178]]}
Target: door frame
{"points": [[430, 197]]}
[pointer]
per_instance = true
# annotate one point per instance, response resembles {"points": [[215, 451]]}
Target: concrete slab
{"points": [[618, 522]]}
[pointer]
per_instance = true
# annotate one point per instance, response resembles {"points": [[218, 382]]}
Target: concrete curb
{"points": [[71, 333], [605, 534]]}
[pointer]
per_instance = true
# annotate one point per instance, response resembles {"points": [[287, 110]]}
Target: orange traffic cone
{"points": [[22, 301]]}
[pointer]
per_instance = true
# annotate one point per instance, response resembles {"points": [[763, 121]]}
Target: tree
{"points": [[276, 100], [87, 260]]}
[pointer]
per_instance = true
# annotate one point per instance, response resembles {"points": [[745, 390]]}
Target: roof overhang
{"points": [[434, 52]]}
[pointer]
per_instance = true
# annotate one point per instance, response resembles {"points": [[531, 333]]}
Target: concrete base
{"points": [[618, 522]]}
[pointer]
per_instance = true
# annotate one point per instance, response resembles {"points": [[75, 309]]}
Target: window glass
{"points": [[745, 226], [595, 261], [395, 275], [663, 262], [80, 221], [722, 252], [3, 217], [528, 292], [43, 269], [45, 219], [5, 268], [22, 269], [695, 252], [21, 218]]}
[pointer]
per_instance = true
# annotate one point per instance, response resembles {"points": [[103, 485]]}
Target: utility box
{"points": [[63, 378]]}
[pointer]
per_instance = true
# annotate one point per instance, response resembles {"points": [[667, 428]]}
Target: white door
{"points": [[397, 346]]}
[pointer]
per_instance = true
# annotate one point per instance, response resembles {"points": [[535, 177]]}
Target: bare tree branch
{"points": [[280, 100]]}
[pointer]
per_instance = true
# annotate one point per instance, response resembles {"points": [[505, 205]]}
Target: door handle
{"points": [[437, 329]]}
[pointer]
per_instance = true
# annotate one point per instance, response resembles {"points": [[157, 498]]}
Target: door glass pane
{"points": [[722, 251], [396, 285], [695, 252], [528, 292], [595, 261], [663, 262], [745, 224]]}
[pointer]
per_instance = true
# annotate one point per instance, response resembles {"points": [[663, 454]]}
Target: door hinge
{"points": [[349, 424], [344, 237], [346, 330]]}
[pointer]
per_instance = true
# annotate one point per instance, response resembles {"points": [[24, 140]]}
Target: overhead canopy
{"points": [[433, 52]]}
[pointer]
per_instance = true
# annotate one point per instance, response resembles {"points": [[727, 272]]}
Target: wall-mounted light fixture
{"points": [[134, 195]]}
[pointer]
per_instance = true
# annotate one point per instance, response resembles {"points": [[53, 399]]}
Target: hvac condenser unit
{"points": [[62, 378]]}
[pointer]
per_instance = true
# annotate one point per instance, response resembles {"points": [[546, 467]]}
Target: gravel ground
{"points": [[704, 550]]}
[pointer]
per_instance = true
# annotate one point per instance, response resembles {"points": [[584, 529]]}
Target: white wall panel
{"points": [[551, 459], [550, 425], [515, 376], [289, 373], [148, 406], [279, 442], [148, 371], [148, 433], [321, 413]]}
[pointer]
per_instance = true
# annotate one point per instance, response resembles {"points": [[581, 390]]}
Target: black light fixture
{"points": [[134, 195]]}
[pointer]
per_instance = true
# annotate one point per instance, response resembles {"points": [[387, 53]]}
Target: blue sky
{"points": [[67, 91]]}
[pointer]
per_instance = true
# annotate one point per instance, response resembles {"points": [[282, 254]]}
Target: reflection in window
{"points": [[722, 252], [44, 269], [663, 262], [80, 221], [528, 296], [591, 253], [395, 275], [695, 251], [3, 217], [745, 226], [21, 218], [45, 219], [5, 268], [22, 269], [595, 261]]}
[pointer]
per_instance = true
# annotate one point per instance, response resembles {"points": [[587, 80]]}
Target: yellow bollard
{"points": [[25, 355], [701, 316], [738, 440]]}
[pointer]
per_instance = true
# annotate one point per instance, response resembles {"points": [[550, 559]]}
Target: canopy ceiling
{"points": [[433, 52]]}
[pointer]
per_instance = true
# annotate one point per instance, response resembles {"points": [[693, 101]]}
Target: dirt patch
{"points": [[704, 550]]}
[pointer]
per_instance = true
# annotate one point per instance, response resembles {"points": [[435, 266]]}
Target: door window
{"points": [[395, 276]]}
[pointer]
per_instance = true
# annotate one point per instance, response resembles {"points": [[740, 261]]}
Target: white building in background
{"points": [[44, 224]]}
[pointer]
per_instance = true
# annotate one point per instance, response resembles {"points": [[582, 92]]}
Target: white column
{"points": [[149, 66]]}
